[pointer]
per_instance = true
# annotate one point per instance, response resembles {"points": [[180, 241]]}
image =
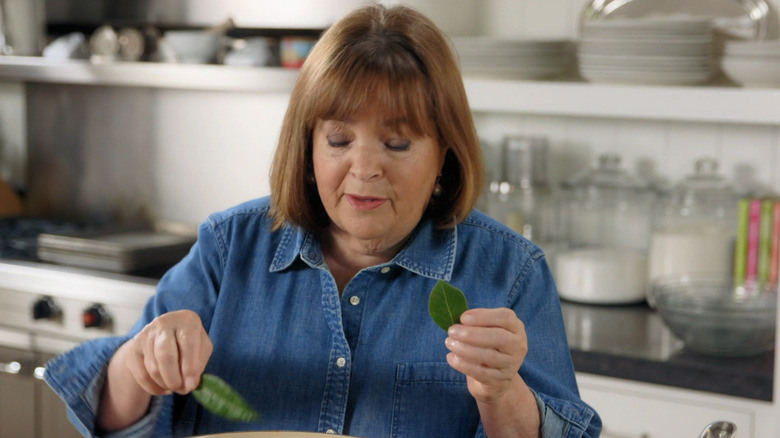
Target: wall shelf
{"points": [[694, 104], [708, 104], [147, 74]]}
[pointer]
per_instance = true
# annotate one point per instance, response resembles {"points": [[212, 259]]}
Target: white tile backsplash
{"points": [[749, 155]]}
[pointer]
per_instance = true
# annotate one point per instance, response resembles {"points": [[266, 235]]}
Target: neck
{"points": [[345, 258]]}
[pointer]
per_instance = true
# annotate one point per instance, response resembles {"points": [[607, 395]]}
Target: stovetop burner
{"points": [[19, 235]]}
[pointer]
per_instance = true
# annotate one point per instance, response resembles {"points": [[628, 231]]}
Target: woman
{"points": [[313, 303]]}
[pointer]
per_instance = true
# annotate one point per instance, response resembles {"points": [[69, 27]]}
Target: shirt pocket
{"points": [[430, 399]]}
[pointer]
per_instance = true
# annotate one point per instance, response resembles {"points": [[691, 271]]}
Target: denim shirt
{"points": [[368, 363]]}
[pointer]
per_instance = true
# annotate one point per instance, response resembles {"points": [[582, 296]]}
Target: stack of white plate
{"points": [[663, 51], [752, 63], [511, 58]]}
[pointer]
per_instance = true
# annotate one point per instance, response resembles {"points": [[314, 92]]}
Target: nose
{"points": [[366, 163]]}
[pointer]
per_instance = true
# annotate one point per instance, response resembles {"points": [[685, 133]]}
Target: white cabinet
{"points": [[631, 409]]}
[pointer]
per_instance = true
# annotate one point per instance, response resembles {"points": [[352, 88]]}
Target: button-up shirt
{"points": [[369, 362]]}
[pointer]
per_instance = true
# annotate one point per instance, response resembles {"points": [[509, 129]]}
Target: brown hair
{"points": [[398, 58]]}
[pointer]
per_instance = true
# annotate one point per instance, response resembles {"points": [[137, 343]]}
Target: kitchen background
{"points": [[178, 142]]}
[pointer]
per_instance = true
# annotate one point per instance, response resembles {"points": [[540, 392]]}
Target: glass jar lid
{"points": [[705, 181], [608, 175]]}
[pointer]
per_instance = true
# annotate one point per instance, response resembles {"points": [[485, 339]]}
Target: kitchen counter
{"points": [[631, 342]]}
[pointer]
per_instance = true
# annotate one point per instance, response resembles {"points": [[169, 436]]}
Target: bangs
{"points": [[402, 96]]}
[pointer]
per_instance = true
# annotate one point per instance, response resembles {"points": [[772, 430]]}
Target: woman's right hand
{"points": [[169, 354]]}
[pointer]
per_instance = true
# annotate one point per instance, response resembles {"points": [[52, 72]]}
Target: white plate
{"points": [[530, 72], [644, 77], [657, 47], [665, 62], [510, 62], [516, 43]]}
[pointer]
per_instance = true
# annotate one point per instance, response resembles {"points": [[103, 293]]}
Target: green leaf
{"points": [[219, 398], [446, 304]]}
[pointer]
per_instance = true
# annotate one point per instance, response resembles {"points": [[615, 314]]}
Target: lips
{"points": [[365, 203]]}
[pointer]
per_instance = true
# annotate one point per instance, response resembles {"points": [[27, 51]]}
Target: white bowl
{"points": [[752, 72], [193, 46]]}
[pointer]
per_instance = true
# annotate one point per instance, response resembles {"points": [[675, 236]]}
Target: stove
{"points": [[46, 309], [19, 235]]}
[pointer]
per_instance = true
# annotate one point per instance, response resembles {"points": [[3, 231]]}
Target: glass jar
{"points": [[607, 213], [520, 196], [695, 225]]}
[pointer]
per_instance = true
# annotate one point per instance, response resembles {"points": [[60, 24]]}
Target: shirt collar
{"points": [[430, 252]]}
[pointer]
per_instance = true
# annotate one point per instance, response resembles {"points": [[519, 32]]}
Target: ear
{"points": [[442, 155]]}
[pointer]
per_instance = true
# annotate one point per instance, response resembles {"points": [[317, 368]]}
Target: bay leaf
{"points": [[221, 399], [446, 303]]}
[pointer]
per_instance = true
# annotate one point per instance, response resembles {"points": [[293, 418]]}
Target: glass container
{"points": [[520, 196], [607, 213], [695, 225]]}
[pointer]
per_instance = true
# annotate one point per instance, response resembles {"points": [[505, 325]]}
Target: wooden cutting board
{"points": [[10, 204]]}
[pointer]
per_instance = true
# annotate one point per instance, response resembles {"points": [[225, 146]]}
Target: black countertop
{"points": [[632, 342]]}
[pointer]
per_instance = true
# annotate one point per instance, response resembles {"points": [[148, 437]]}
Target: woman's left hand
{"points": [[488, 346]]}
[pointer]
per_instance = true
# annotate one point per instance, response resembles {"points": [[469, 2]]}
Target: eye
{"points": [[337, 141], [398, 145]]}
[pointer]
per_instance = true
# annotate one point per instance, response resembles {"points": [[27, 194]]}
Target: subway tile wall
{"points": [[749, 155]]}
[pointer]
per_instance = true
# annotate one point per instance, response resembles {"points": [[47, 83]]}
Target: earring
{"points": [[437, 188]]}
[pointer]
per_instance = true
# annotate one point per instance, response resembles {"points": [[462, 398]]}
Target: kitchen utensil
{"points": [[712, 316], [719, 429]]}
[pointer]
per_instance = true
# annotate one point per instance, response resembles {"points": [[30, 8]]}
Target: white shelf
{"points": [[709, 104], [143, 74], [700, 104]]}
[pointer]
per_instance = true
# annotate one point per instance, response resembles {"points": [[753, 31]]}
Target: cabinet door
{"points": [[17, 394], [53, 420], [627, 413]]}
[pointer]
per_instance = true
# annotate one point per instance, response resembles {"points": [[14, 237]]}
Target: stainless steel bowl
{"points": [[713, 316]]}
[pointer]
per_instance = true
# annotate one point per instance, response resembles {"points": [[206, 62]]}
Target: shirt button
{"points": [[385, 270], [340, 362], [354, 300]]}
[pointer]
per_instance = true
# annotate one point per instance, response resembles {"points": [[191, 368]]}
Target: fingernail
{"points": [[191, 383]]}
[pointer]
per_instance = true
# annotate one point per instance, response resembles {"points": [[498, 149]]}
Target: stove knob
{"points": [[46, 308], [95, 316]]}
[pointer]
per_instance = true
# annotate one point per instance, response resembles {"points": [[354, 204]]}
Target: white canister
{"points": [[601, 275]]}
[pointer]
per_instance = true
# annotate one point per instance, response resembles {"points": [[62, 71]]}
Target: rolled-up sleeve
{"points": [[78, 377]]}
